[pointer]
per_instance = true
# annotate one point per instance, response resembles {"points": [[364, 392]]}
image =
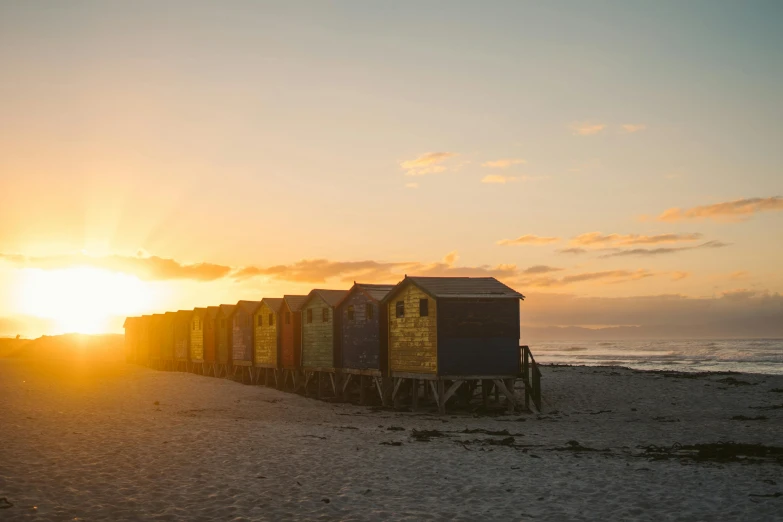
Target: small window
{"points": [[288, 318], [325, 315], [194, 325], [271, 319], [350, 313], [260, 321], [309, 315], [424, 307], [369, 311], [400, 309]]}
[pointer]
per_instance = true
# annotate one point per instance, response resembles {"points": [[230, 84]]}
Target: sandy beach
{"points": [[120, 442]]}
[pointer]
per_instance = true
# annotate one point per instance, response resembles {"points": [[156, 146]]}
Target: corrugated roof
{"points": [[331, 297], [376, 292], [248, 306], [462, 287], [183, 315], [295, 302], [226, 309], [273, 302]]}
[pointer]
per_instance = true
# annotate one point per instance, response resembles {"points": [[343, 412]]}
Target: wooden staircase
{"points": [[531, 376]]}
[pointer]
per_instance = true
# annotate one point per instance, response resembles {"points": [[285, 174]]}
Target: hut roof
{"points": [[275, 303], [128, 321], [249, 307], [212, 311], [374, 292], [331, 297], [183, 316], [226, 309], [201, 312], [295, 302], [460, 287]]}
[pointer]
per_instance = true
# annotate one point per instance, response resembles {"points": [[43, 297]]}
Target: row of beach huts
{"points": [[425, 340]]}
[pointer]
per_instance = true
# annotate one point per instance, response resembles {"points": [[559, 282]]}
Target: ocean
{"points": [[739, 355]]}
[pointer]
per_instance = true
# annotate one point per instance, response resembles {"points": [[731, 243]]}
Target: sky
{"points": [[618, 163]]}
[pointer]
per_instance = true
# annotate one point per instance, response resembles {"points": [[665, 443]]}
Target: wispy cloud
{"points": [[503, 163], [541, 269], [735, 210], [599, 239], [428, 163], [495, 178], [586, 128], [574, 251], [678, 275], [148, 268], [664, 250], [529, 239], [739, 274], [602, 277], [630, 128]]}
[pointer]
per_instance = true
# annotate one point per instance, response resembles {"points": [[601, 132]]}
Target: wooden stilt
{"points": [[441, 397]]}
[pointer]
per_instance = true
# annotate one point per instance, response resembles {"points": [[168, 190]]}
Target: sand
{"points": [[89, 442]]}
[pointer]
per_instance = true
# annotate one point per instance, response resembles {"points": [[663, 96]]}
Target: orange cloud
{"points": [[541, 269], [529, 239], [676, 276], [664, 250], [429, 163], [575, 251], [494, 178], [584, 128], [503, 163], [599, 239], [148, 268], [630, 128], [738, 209], [603, 277]]}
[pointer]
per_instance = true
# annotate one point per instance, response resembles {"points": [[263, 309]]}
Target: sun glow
{"points": [[82, 299]]}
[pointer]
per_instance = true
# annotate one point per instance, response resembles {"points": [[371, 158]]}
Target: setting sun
{"points": [[81, 299]]}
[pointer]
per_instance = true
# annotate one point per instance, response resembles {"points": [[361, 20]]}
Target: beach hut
{"points": [[242, 339], [223, 340], [362, 331], [266, 340], [320, 341], [291, 340], [155, 338], [182, 340], [167, 340], [210, 341], [197, 337], [143, 354], [131, 338], [453, 332]]}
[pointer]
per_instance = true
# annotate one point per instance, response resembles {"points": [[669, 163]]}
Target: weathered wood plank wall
{"points": [[478, 336], [317, 334], [360, 334], [265, 322], [290, 337], [197, 337], [210, 334], [413, 340]]}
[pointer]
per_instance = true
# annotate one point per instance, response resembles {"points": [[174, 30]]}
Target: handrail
{"points": [[531, 376]]}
